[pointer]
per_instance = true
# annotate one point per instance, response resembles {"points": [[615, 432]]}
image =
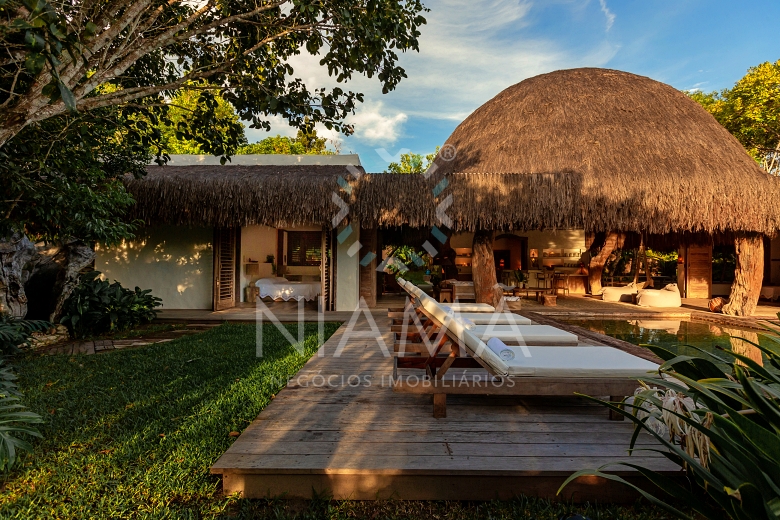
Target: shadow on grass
{"points": [[134, 432]]}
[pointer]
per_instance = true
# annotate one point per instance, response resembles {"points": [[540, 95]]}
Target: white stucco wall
{"points": [[176, 263], [347, 273]]}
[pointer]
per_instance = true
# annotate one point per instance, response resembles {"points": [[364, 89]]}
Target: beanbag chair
{"points": [[619, 294], [669, 296]]}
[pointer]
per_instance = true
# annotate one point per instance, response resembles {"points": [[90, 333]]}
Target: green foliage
{"points": [[97, 306], [413, 260], [664, 264], [61, 178], [718, 418], [132, 433], [15, 421], [217, 128], [412, 163], [149, 51], [15, 332], [751, 111], [305, 143]]}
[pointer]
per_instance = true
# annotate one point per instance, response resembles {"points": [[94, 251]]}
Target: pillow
{"points": [[671, 287]]}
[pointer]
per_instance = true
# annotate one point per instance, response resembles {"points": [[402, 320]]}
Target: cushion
{"points": [[562, 362], [469, 307], [525, 334]]}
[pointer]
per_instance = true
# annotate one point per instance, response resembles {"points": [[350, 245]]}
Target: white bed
{"points": [[278, 288]]}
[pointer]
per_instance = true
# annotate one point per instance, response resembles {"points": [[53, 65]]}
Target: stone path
{"points": [[105, 345]]}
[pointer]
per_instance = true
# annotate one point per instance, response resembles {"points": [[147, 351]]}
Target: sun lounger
{"points": [[551, 370], [525, 334], [410, 288], [472, 318]]}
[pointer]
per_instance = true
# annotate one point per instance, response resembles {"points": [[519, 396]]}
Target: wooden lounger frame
{"points": [[448, 353]]}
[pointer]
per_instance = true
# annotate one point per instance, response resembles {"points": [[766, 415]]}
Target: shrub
{"points": [[14, 332], [97, 306], [718, 417], [14, 420]]}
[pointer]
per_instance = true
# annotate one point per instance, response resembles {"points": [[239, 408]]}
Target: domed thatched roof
{"points": [[593, 148]]}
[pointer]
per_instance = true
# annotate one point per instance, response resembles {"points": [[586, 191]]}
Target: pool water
{"points": [[674, 335]]}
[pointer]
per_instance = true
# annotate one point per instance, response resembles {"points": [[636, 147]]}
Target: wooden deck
{"points": [[366, 442]]}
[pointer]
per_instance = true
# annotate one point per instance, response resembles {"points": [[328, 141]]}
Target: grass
{"points": [[132, 434]]}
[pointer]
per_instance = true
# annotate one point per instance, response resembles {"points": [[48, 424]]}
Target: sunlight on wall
{"points": [[175, 262]]}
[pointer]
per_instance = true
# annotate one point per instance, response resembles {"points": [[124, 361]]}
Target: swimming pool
{"points": [[675, 334]]}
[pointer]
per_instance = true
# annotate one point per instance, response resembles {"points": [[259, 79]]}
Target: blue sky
{"points": [[471, 50]]}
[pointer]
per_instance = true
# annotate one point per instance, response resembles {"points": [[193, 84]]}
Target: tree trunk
{"points": [[54, 276], [598, 260], [483, 269], [35, 281], [747, 276], [16, 255]]}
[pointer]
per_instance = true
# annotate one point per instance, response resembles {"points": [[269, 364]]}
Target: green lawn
{"points": [[132, 433]]}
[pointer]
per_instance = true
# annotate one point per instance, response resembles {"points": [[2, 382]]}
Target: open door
{"points": [[225, 268]]}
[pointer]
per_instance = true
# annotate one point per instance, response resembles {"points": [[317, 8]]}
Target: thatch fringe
{"points": [[237, 195]]}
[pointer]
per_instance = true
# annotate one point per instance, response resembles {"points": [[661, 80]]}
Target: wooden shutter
{"points": [[225, 268], [326, 271]]}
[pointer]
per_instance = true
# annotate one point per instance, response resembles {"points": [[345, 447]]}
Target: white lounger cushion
{"points": [[469, 307], [497, 318], [470, 319], [525, 334], [563, 362]]}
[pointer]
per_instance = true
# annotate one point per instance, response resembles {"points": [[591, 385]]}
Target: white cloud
{"points": [[469, 52], [375, 127], [607, 13]]}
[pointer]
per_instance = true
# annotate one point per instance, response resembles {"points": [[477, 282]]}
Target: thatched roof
{"points": [[237, 195], [593, 148], [588, 148]]}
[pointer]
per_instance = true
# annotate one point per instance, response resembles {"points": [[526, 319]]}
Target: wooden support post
{"points": [[483, 270], [613, 415], [440, 406], [748, 276]]}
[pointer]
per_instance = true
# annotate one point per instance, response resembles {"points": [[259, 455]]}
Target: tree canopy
{"points": [[58, 55], [68, 185], [412, 163], [751, 112]]}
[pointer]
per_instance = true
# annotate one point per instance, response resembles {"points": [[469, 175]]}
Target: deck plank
{"points": [[367, 442]]}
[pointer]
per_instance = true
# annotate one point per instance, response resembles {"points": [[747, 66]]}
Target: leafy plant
{"points": [[14, 420], [718, 418], [15, 332], [98, 306]]}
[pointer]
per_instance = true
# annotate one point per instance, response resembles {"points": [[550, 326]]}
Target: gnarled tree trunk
{"points": [[36, 280], [54, 276], [483, 270], [599, 259], [16, 255], [748, 276]]}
